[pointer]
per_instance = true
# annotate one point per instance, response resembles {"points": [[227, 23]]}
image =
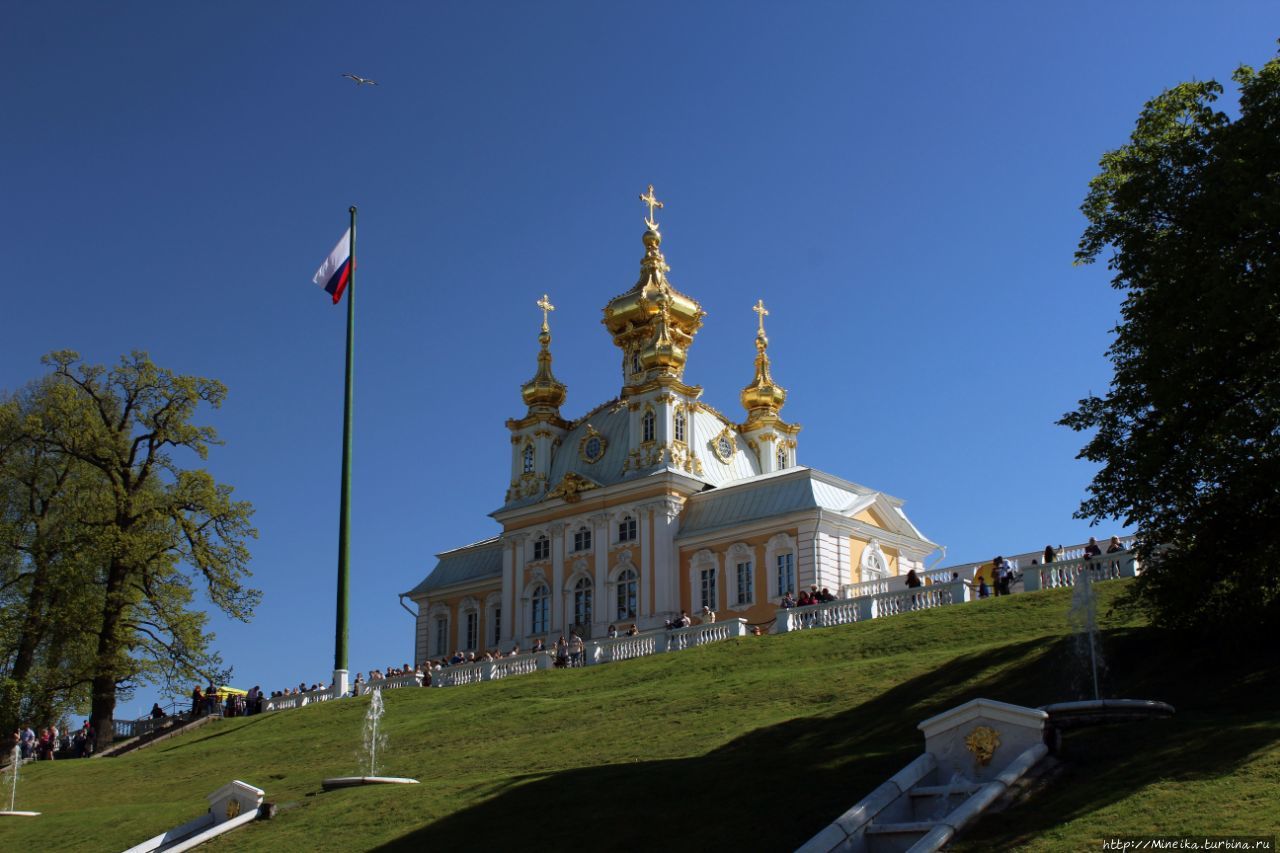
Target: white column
{"points": [[644, 561], [600, 614], [664, 518], [557, 578], [513, 560]]}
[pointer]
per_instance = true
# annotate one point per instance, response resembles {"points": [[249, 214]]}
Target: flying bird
{"points": [[361, 81]]}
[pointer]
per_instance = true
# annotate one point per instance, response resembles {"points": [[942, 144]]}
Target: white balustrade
{"points": [[297, 700], [708, 632], [838, 612], [608, 650], [413, 679], [918, 598], [1063, 573], [871, 587]]}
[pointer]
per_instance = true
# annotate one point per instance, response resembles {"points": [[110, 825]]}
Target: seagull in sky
{"points": [[361, 81]]}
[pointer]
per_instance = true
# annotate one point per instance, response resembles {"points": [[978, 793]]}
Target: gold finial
{"points": [[649, 199], [762, 311], [546, 306]]}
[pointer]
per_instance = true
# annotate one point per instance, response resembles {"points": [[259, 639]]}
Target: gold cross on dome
{"points": [[762, 311], [546, 306], [649, 199]]}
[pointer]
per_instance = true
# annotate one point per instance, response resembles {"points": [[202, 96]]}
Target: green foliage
{"points": [[1188, 434], [106, 533]]}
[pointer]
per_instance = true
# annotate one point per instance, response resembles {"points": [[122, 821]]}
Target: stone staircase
{"points": [[973, 755]]}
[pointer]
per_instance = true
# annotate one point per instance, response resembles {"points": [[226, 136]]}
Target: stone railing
{"points": [[919, 598], [1122, 564], [491, 670], [144, 726], [297, 700], [871, 587], [413, 679], [624, 648], [844, 611], [838, 612], [708, 632]]}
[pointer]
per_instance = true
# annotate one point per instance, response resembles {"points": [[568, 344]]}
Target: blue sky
{"points": [[899, 182]]}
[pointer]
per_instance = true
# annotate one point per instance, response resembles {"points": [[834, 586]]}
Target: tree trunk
{"points": [[104, 680]]}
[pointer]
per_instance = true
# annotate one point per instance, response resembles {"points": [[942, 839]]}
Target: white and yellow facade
{"points": [[654, 502]]}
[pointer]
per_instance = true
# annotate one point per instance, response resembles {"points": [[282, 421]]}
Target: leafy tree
{"points": [[153, 526], [1188, 434]]}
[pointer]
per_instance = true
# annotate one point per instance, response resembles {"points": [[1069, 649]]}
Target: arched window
{"points": [[582, 539], [528, 458], [635, 362], [539, 605], [582, 602], [627, 529], [542, 548], [782, 457], [742, 581], [628, 587], [648, 422], [679, 425]]}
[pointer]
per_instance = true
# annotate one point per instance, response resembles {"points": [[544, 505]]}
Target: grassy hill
{"points": [[752, 744]]}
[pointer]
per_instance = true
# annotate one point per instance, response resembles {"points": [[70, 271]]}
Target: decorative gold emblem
{"points": [[571, 488], [724, 446], [983, 743], [591, 446], [233, 808]]}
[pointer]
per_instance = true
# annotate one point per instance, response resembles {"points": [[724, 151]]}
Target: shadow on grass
{"points": [[773, 788]]}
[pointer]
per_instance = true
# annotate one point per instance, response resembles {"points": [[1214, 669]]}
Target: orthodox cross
{"points": [[762, 311], [546, 306], [649, 199]]}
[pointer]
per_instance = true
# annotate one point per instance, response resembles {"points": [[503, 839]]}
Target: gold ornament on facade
{"points": [[570, 488], [724, 445], [591, 447], [983, 743]]}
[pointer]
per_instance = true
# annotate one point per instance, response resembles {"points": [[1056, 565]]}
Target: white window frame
{"points": [[874, 564], [582, 539], [544, 541], [777, 546], [440, 636], [528, 462], [625, 575], [627, 528], [540, 593], [648, 426], [680, 425], [583, 590]]}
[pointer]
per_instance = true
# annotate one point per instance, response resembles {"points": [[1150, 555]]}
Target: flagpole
{"points": [[344, 524]]}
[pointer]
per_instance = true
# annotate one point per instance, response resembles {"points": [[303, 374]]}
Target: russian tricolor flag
{"points": [[335, 272]]}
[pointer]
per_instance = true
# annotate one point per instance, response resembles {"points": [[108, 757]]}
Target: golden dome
{"points": [[652, 323], [544, 392], [763, 397]]}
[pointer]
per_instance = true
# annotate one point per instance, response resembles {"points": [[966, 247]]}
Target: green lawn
{"points": [[753, 744]]}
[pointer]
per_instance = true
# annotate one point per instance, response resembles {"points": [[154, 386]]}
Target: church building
{"points": [[654, 502]]}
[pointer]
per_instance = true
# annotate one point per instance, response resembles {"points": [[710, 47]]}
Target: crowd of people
{"points": [[49, 743]]}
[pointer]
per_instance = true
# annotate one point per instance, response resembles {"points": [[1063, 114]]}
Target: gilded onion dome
{"points": [[652, 323], [544, 392], [763, 397]]}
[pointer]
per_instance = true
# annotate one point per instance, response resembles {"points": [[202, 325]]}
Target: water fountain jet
{"points": [[15, 761], [375, 741]]}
